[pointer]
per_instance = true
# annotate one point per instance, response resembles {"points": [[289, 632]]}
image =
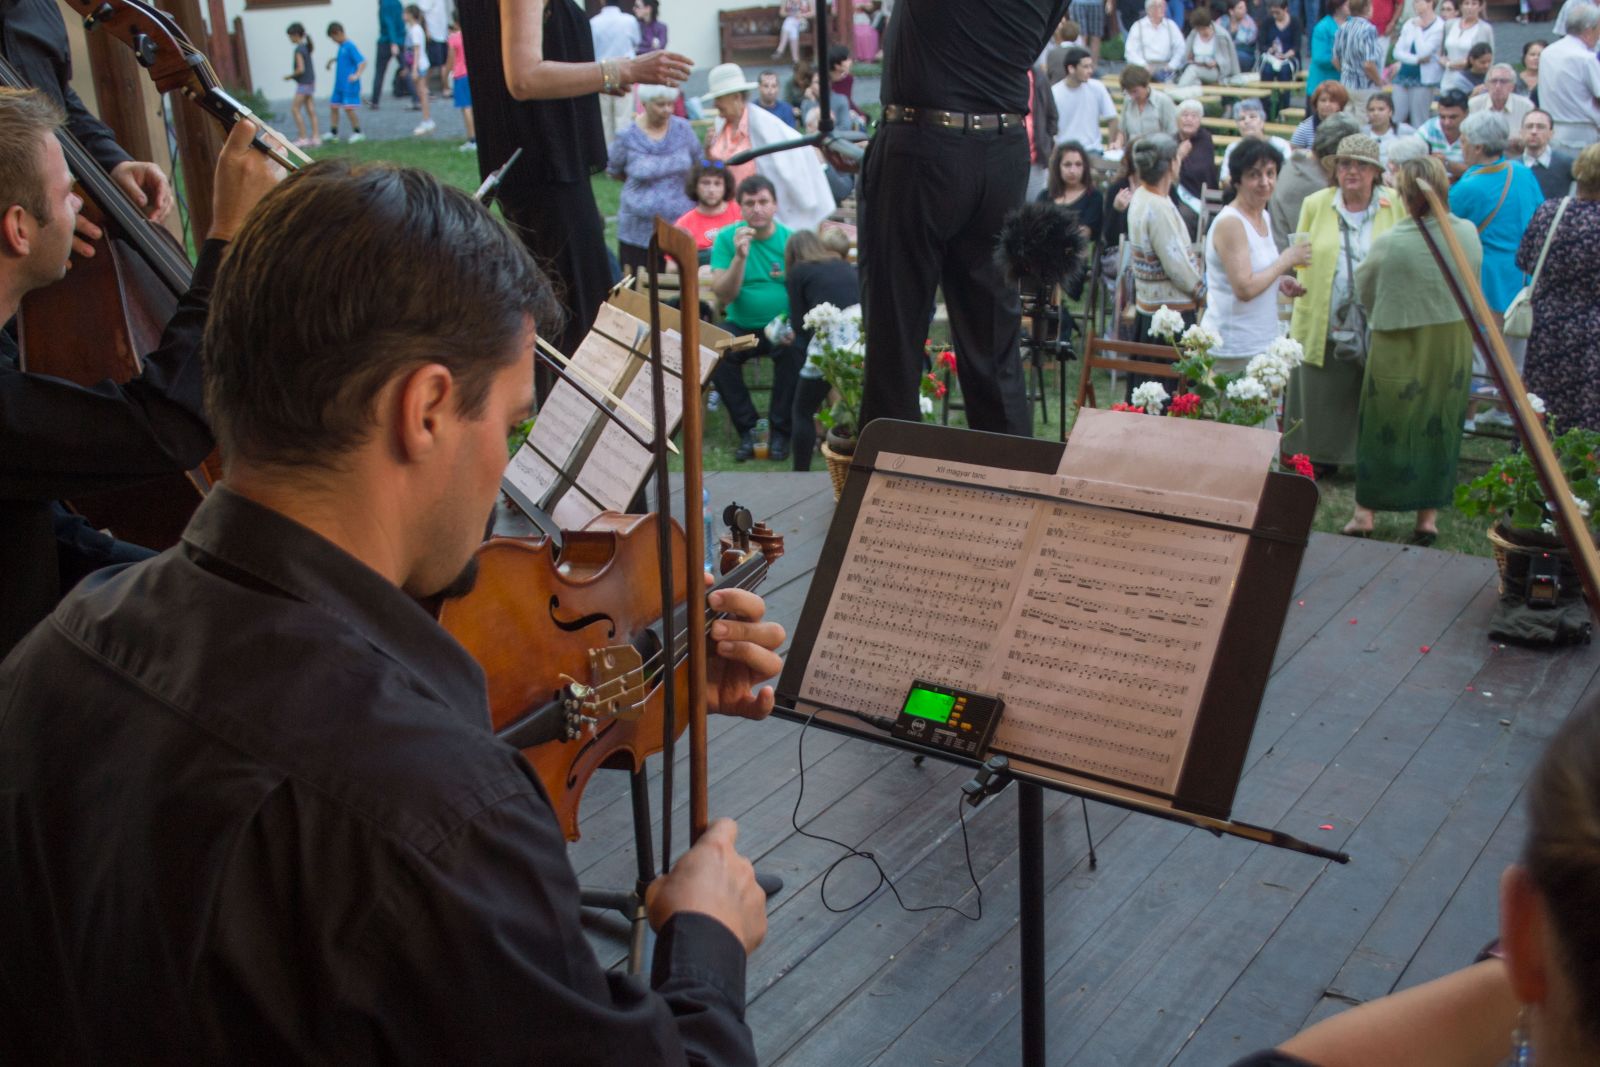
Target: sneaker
{"points": [[302, 142], [355, 137], [468, 146], [425, 126], [315, 142], [747, 447], [713, 400]]}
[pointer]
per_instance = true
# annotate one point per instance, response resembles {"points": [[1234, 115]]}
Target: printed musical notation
{"points": [[1094, 616]]}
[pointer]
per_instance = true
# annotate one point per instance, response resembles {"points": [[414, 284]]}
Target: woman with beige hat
{"points": [[1340, 223], [804, 198]]}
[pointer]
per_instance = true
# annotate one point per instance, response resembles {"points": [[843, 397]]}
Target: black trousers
{"points": [[729, 380], [809, 396], [933, 202], [380, 60]]}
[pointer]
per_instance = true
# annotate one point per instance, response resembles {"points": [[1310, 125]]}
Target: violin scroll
{"points": [[745, 537]]}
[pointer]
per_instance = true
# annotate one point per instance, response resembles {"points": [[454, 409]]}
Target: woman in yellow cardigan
{"points": [[1324, 393]]}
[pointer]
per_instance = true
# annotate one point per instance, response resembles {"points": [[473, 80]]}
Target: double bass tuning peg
{"points": [[101, 13]]}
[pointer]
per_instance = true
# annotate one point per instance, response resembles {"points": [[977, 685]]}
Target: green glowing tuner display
{"points": [[927, 704]]}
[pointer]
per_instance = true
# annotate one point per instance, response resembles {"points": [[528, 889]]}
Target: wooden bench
{"points": [[749, 29], [1232, 126]]}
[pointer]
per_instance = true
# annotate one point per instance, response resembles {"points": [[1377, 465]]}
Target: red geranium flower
{"points": [[1121, 406], [1184, 404], [1302, 465], [947, 358]]}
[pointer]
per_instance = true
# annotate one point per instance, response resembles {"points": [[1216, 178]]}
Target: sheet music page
{"points": [[566, 412], [924, 588], [619, 464], [531, 473]]}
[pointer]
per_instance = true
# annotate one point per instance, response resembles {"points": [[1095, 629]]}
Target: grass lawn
{"points": [[1457, 533]]}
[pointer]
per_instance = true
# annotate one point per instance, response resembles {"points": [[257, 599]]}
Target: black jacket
{"points": [[34, 39], [252, 812]]}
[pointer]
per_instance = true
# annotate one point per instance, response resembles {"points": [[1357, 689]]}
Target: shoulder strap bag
{"points": [[1519, 313], [1347, 327]]}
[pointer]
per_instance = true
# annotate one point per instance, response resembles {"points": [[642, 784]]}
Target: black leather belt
{"points": [[950, 120]]}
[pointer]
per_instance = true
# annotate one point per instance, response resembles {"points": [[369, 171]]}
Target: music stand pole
{"points": [[1030, 888]]}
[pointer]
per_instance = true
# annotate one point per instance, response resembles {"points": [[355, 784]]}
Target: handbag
{"points": [[1347, 328], [1519, 313]]}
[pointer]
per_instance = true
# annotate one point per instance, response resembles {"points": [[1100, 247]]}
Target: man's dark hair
{"points": [[1540, 111], [1073, 56], [306, 330], [1453, 98], [27, 117], [1250, 153], [754, 184], [691, 184], [837, 53], [335, 27], [1479, 50]]}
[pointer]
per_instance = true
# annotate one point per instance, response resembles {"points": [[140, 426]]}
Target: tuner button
{"points": [[144, 50]]}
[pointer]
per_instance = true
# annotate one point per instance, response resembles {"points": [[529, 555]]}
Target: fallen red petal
{"points": [[1302, 603], [1426, 649], [1352, 622], [1471, 689], [1326, 826]]}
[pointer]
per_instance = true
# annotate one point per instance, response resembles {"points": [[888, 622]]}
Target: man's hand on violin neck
{"points": [[743, 654], [713, 880]]}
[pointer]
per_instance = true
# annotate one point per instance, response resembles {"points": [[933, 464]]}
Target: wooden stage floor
{"points": [[1392, 728]]}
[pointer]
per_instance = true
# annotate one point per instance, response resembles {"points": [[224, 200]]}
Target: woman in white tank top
{"points": [[1243, 264]]}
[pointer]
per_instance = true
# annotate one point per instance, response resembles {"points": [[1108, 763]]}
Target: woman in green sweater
{"points": [[1419, 367]]}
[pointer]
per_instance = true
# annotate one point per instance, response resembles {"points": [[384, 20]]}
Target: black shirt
{"points": [[1089, 208], [252, 811], [34, 39], [58, 439], [963, 56], [820, 281]]}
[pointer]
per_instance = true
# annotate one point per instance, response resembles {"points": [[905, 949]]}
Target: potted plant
{"points": [[1510, 495], [838, 350]]}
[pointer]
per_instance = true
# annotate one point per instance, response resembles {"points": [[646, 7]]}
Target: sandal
{"points": [[1424, 538], [1352, 530]]}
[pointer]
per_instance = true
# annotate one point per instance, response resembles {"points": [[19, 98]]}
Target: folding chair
{"points": [[1133, 357]]}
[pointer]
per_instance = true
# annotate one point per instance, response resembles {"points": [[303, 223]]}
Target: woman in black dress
{"points": [[535, 86]]}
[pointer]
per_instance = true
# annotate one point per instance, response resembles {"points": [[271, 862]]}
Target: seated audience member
{"points": [[747, 263], [1443, 131], [1144, 112], [818, 274], [1540, 1003], [799, 84], [711, 186], [768, 98], [1252, 120], [1552, 168], [1209, 57], [1155, 43], [1198, 153], [1280, 51], [1071, 185], [1381, 124], [1480, 57], [255, 807], [1461, 37], [1240, 26], [801, 186], [1304, 175], [1082, 103], [1328, 98], [1500, 96]]}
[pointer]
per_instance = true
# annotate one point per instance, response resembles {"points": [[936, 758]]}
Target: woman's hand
{"points": [[1290, 287], [1123, 199], [657, 68], [1296, 255]]}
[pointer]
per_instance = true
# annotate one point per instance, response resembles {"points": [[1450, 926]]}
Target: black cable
{"points": [[851, 852]]}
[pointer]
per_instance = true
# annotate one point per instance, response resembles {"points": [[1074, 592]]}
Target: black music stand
{"points": [[1228, 709]]}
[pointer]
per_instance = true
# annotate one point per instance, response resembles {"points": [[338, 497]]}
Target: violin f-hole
{"points": [[574, 625]]}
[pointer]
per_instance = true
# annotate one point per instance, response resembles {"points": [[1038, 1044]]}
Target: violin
{"points": [[571, 642]]}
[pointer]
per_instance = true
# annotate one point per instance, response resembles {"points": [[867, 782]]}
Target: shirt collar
{"points": [[271, 548], [1542, 160]]}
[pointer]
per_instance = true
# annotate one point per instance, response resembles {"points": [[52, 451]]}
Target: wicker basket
{"points": [[838, 469]]}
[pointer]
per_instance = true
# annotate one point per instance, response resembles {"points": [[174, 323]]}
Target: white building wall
{"points": [[691, 26]]}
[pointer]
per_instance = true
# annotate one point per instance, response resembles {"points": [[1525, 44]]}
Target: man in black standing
{"points": [[949, 161]]}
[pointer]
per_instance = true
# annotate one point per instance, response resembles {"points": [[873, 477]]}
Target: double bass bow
{"points": [[1463, 283]]}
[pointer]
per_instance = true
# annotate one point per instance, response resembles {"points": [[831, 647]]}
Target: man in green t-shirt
{"points": [[748, 278]]}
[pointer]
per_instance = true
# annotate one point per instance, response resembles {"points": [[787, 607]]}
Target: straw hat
{"points": [[726, 78], [1358, 148]]}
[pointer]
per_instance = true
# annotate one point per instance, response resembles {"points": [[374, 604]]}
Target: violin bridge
{"points": [[617, 678]]}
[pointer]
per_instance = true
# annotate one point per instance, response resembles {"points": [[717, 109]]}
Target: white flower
{"points": [[821, 318], [927, 404], [1166, 323], [1536, 403], [1247, 389], [1199, 337], [1269, 370], [1583, 506], [1150, 396], [1547, 527], [1288, 350]]}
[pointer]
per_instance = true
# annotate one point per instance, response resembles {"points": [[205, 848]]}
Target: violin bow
{"points": [[1463, 282], [671, 241], [175, 64]]}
